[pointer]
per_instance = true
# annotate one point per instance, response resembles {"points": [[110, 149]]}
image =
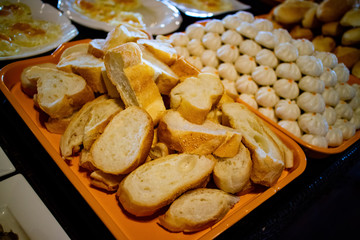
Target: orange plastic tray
{"points": [[311, 150], [122, 225]]}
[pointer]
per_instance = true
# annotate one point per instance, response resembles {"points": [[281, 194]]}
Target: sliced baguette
{"points": [[125, 142], [99, 116], [197, 210], [87, 66], [195, 96], [59, 93], [110, 87], [96, 47], [268, 158], [105, 181], [162, 50], [134, 79], [157, 183], [183, 136], [85, 161], [232, 174], [78, 48], [58, 125], [73, 137], [165, 78], [28, 83], [183, 69], [121, 34]]}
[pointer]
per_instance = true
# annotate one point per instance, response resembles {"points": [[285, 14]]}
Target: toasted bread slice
{"points": [[78, 48], [157, 183], [268, 158], [195, 96], [74, 135], [99, 116], [162, 50], [96, 47], [59, 93], [183, 136], [125, 142], [28, 83], [110, 87], [85, 161], [58, 125], [197, 210], [134, 79], [183, 69], [165, 78], [108, 182], [87, 66], [232, 174], [121, 34]]}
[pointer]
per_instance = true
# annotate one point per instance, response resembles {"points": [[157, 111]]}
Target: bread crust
{"points": [[232, 174], [125, 142], [73, 137], [197, 209], [269, 154], [195, 96], [161, 183], [134, 79], [183, 136], [87, 66], [74, 91]]}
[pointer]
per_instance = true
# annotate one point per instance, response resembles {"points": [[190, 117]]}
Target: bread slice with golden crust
{"points": [[58, 125], [183, 69], [74, 135], [134, 79], [232, 174], [28, 83], [99, 116], [125, 142], [121, 34], [96, 47], [165, 78], [78, 48], [108, 182], [183, 136], [162, 50], [157, 183], [195, 96], [268, 158], [87, 66], [59, 94], [197, 210]]}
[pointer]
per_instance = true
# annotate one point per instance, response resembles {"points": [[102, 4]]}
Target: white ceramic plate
{"points": [[23, 212], [6, 166], [43, 11], [193, 12], [159, 17]]}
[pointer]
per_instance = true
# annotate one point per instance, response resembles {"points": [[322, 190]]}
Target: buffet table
{"points": [[288, 214]]}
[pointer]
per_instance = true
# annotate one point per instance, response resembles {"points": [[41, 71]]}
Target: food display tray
{"points": [[309, 149], [105, 204]]}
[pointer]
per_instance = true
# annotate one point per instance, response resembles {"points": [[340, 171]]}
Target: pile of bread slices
{"points": [[154, 129]]}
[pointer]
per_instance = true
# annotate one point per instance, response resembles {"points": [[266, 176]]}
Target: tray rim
{"points": [[97, 207]]}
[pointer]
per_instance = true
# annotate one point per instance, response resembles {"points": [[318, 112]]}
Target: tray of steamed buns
{"points": [[307, 93]]}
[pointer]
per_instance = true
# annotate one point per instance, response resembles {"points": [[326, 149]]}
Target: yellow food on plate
{"points": [[208, 5], [18, 29], [113, 12]]}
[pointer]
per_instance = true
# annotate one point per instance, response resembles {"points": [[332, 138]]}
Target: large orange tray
{"points": [[105, 205]]}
